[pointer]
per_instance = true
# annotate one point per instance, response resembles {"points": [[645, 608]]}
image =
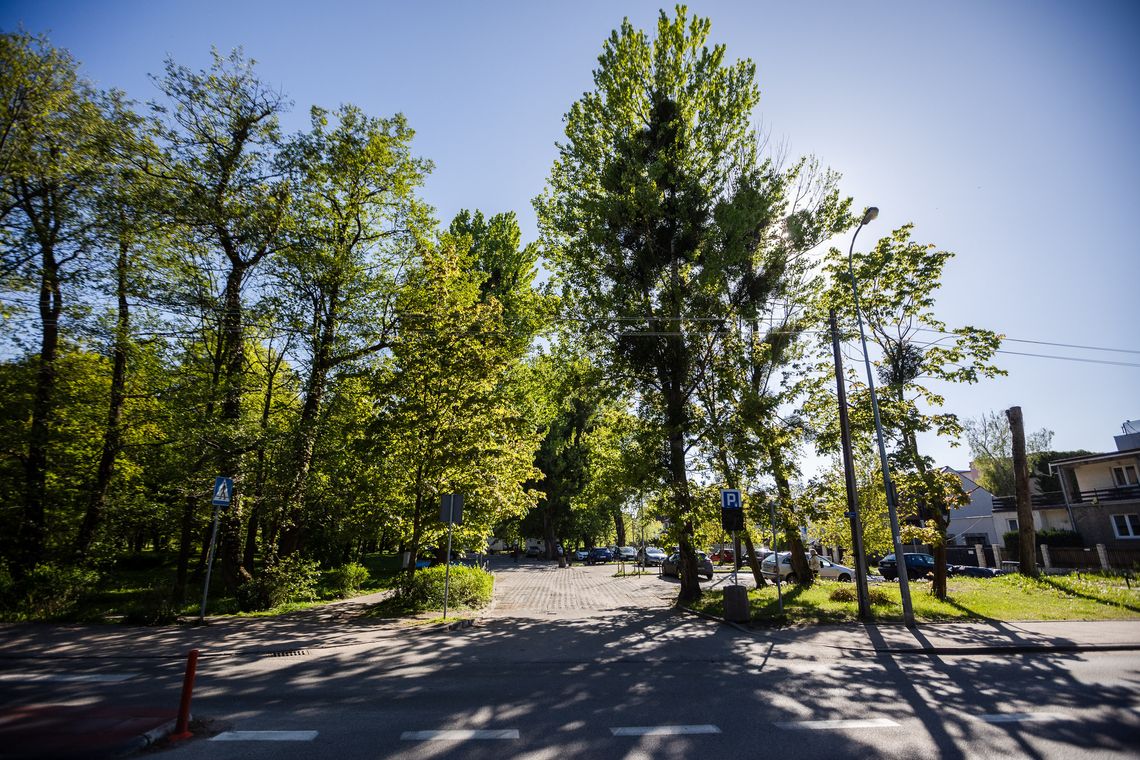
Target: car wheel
{"points": [[791, 578], [709, 577], [844, 578]]}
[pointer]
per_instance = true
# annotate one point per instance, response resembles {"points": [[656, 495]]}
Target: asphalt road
{"points": [[616, 682]]}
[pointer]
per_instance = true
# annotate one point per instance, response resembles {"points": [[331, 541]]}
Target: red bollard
{"points": [[182, 728]]}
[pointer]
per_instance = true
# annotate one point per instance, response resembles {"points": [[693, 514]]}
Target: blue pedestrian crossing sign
{"points": [[730, 498], [223, 491]]}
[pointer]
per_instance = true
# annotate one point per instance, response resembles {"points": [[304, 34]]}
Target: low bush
{"points": [[348, 579], [290, 579], [153, 606], [470, 587], [1051, 537], [52, 591], [849, 593]]}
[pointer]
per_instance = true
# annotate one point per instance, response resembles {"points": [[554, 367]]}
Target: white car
{"points": [[828, 570]]}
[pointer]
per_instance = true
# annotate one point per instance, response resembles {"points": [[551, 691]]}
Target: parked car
{"points": [[672, 565], [651, 556], [533, 551], [721, 556], [625, 554], [599, 554], [970, 571], [581, 555], [828, 570], [918, 565]]}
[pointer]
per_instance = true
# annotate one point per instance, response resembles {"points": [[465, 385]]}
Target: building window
{"points": [[1124, 475], [1126, 526], [1011, 524], [976, 538]]}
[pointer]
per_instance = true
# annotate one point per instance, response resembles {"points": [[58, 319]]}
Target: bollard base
{"points": [[736, 604]]}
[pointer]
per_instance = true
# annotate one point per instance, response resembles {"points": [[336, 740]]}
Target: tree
{"points": [[55, 136], [897, 281], [355, 221], [992, 450], [221, 135], [635, 216]]}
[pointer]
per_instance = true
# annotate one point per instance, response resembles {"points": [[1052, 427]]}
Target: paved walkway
{"points": [[540, 589]]}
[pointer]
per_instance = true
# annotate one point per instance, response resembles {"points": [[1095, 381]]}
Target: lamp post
{"points": [[892, 510]]}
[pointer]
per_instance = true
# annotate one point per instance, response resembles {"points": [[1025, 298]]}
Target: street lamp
{"points": [[892, 510]]}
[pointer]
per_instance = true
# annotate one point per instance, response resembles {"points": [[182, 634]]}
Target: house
{"points": [[974, 523], [1101, 492]]}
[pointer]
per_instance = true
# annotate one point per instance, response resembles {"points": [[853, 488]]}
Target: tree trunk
{"points": [[754, 561], [185, 540], [32, 533], [229, 526], [619, 526], [791, 533], [1025, 530], [112, 436]]}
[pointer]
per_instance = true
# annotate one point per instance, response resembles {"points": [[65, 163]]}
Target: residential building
{"points": [[974, 523], [1101, 492]]}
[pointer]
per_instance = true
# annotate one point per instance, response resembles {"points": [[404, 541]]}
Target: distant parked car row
{"points": [[672, 565]]}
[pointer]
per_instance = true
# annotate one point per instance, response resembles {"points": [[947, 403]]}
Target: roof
{"points": [[1095, 458], [972, 485]]}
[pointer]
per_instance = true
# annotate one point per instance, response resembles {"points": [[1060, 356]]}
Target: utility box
{"points": [[736, 604]]}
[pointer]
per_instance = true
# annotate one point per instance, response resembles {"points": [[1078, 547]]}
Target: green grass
{"points": [[135, 589], [1010, 597]]}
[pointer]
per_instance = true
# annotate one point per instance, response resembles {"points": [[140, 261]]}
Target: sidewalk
{"points": [[87, 731]]}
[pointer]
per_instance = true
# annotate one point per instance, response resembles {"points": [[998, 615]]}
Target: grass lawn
{"points": [[1009, 597]]}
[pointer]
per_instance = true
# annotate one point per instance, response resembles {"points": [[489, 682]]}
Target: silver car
{"points": [[828, 570]]}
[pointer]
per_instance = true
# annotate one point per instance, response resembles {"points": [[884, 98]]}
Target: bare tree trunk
{"points": [[1025, 530]]}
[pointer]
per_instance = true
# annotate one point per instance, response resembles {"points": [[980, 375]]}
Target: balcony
{"points": [[1057, 499]]}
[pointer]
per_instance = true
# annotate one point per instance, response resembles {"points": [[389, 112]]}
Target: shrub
{"points": [[349, 578], [153, 606], [1051, 537], [470, 587], [850, 594], [286, 580], [52, 591]]}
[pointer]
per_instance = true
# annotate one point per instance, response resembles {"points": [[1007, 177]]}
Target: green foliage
{"points": [[470, 587], [848, 593], [52, 591], [288, 579], [349, 579], [152, 606], [1050, 537]]}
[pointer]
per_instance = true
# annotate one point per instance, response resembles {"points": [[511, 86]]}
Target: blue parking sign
{"points": [[730, 498]]}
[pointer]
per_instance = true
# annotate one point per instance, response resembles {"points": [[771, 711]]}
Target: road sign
{"points": [[223, 491], [451, 509], [731, 509]]}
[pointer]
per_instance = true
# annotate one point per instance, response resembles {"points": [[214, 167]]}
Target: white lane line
{"points": [[67, 678], [459, 734], [1022, 717], [705, 728], [265, 736], [816, 725]]}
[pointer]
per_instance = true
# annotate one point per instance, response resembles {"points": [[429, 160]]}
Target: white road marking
{"points": [[815, 725], [265, 736], [460, 734], [1021, 717], [68, 678], [665, 730]]}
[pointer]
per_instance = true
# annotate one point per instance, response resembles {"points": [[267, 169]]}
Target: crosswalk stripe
{"points": [[265, 736], [67, 677], [1021, 717], [706, 728], [833, 724], [460, 734]]}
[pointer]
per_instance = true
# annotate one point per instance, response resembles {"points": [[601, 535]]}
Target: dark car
{"points": [[672, 565], [918, 565], [625, 554], [970, 571], [599, 554], [650, 556]]}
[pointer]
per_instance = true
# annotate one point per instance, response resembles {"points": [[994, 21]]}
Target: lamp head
{"points": [[872, 212]]}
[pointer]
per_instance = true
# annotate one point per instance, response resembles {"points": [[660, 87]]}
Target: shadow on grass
{"points": [[1051, 582]]}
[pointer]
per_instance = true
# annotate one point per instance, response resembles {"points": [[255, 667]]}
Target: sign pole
{"points": [[776, 557], [209, 568], [735, 564]]}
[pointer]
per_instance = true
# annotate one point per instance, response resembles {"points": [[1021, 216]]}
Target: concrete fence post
{"points": [[997, 556], [980, 553], [1102, 552], [1045, 557]]}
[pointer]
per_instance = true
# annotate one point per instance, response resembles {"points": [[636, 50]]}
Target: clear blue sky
{"points": [[1008, 131]]}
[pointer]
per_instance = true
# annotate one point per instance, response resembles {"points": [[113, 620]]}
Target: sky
{"points": [[1007, 131]]}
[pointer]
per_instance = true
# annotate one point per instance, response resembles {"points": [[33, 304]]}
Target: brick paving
{"points": [[541, 589]]}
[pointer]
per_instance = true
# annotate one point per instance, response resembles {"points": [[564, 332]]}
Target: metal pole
{"points": [[849, 478], [734, 562], [209, 567], [447, 567], [892, 510]]}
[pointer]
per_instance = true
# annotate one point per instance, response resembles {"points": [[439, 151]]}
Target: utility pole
{"points": [[849, 478], [1027, 552]]}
